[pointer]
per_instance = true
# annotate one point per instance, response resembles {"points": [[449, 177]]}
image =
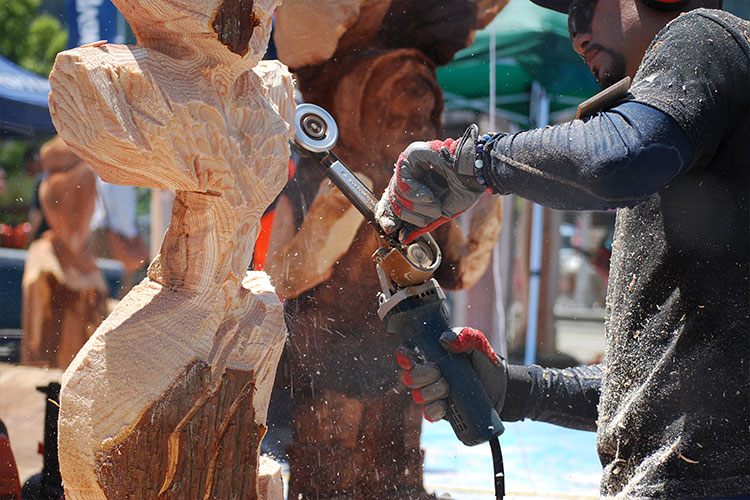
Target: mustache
{"points": [[601, 48]]}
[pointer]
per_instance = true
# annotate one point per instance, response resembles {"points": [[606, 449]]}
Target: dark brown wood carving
{"points": [[372, 65]]}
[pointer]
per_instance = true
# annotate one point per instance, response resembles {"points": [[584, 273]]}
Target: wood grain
{"points": [[168, 399]]}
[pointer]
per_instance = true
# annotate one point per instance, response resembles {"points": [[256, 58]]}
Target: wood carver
{"points": [[371, 64], [168, 399]]}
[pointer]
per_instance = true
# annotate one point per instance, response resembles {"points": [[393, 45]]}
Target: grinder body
{"points": [[419, 315]]}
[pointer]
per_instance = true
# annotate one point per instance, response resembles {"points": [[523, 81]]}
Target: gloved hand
{"points": [[430, 389], [433, 182]]}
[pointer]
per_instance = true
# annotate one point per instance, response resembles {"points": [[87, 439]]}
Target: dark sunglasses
{"points": [[579, 17]]}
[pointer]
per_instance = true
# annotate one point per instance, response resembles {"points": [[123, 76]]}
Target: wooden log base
{"points": [[213, 436], [163, 431], [347, 448]]}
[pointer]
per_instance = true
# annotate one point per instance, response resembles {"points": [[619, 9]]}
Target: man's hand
{"points": [[433, 182], [430, 389]]}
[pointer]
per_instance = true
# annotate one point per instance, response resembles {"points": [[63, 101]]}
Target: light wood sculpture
{"points": [[168, 399], [355, 431], [64, 292], [326, 233]]}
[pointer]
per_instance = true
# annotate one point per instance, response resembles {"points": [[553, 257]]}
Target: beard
{"points": [[616, 70]]}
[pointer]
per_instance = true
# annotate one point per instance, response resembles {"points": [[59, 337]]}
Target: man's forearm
{"points": [[567, 397], [614, 159]]}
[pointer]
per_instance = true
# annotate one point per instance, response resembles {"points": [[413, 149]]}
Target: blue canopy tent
{"points": [[24, 107]]}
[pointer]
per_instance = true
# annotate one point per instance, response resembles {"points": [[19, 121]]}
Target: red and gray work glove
{"points": [[430, 389], [433, 182]]}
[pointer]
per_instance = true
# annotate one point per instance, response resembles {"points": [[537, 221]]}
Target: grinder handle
{"points": [[420, 320]]}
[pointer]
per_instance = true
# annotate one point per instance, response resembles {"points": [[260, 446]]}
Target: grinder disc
{"points": [[315, 129]]}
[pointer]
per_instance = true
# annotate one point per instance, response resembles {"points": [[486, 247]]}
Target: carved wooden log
{"points": [[310, 31], [64, 293], [168, 399], [383, 94], [386, 100]]}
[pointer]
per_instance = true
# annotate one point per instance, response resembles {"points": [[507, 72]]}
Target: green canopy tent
{"points": [[531, 45]]}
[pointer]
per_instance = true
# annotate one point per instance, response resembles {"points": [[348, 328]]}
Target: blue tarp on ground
{"points": [[542, 462], [24, 107]]}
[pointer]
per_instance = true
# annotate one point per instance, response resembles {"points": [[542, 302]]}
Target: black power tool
{"points": [[411, 303]]}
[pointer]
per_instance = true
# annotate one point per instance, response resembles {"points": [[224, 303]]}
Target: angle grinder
{"points": [[411, 302]]}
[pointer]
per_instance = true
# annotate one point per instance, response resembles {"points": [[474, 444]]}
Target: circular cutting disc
{"points": [[315, 129]]}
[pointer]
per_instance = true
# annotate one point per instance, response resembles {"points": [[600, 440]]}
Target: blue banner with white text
{"points": [[90, 21]]}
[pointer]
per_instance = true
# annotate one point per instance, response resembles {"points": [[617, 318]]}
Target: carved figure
{"points": [[168, 399], [64, 293], [371, 64]]}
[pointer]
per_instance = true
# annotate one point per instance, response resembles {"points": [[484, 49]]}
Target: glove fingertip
{"points": [[434, 412], [449, 340], [429, 418], [403, 359], [416, 394]]}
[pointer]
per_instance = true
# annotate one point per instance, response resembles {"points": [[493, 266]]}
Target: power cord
{"points": [[497, 462]]}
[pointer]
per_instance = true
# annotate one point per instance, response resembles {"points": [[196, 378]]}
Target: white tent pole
{"points": [[540, 117], [497, 336]]}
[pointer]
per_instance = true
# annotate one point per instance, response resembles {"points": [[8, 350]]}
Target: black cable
{"points": [[497, 462]]}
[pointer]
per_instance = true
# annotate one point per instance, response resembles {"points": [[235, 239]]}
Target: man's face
{"points": [[609, 35]]}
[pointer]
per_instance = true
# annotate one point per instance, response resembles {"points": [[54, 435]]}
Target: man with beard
{"points": [[670, 400]]}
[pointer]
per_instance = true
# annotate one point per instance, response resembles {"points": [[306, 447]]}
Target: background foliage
{"points": [[30, 39]]}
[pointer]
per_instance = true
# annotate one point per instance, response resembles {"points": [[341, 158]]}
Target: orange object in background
{"points": [[14, 237], [10, 485]]}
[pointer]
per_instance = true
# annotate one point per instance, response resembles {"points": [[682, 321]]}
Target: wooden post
{"points": [[168, 399]]}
